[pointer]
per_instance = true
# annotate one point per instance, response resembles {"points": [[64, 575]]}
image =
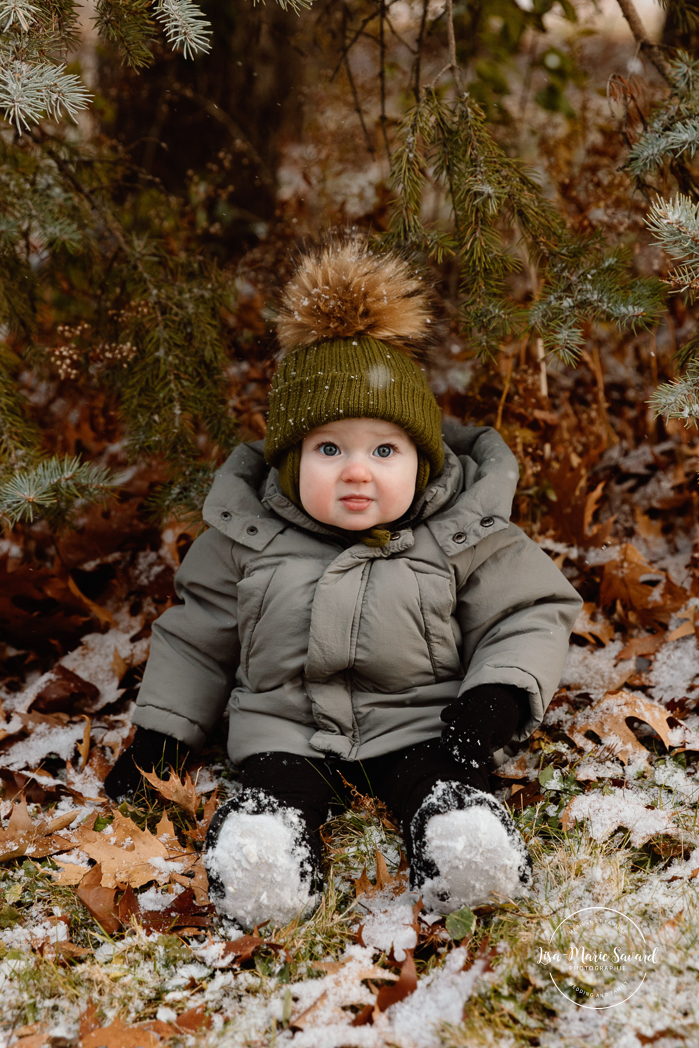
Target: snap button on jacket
{"points": [[318, 647]]}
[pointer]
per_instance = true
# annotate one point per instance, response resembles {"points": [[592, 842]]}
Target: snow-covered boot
{"points": [[262, 861], [465, 846]]}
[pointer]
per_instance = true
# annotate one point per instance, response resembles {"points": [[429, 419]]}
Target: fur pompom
{"points": [[343, 289]]}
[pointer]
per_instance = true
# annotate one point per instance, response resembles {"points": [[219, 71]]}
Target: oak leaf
{"points": [[639, 587], [194, 1020], [39, 838], [398, 991], [100, 901], [608, 717], [182, 792], [397, 883], [132, 856], [119, 1035], [585, 625], [69, 874]]}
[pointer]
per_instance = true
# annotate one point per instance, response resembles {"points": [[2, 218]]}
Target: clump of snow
{"points": [[475, 856], [21, 936], [259, 860], [439, 998], [595, 670], [389, 924], [92, 661], [606, 812], [675, 669], [591, 770], [154, 899], [44, 739], [672, 777]]}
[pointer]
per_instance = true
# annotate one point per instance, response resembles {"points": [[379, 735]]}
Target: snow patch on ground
{"points": [[606, 812], [595, 671], [389, 924]]}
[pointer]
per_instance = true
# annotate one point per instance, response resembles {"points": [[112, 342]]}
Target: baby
{"points": [[362, 605]]}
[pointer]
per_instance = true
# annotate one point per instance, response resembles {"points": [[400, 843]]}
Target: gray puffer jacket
{"points": [[320, 647]]}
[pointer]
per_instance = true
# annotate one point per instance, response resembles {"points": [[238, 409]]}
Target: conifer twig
{"points": [[451, 36], [420, 43], [643, 40], [382, 76], [358, 108]]}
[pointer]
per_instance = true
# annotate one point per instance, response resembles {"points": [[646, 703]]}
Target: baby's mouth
{"points": [[356, 502]]}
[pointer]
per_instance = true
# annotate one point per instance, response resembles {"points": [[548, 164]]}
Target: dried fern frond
{"points": [[343, 289]]}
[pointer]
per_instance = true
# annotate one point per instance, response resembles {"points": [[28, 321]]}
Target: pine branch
{"points": [[675, 224], [686, 13], [19, 437], [28, 92], [185, 26], [53, 489], [679, 398], [128, 24]]}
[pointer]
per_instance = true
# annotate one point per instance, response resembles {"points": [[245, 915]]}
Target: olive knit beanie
{"points": [[349, 324]]}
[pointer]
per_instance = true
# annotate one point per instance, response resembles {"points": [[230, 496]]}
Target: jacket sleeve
{"points": [[516, 611], [195, 647]]}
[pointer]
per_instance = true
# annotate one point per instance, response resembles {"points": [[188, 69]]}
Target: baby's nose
{"points": [[356, 471]]}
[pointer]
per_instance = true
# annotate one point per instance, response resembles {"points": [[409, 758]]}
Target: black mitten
{"points": [[149, 749], [482, 721]]}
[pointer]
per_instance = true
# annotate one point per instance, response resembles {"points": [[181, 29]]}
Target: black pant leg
{"points": [[405, 778], [297, 782]]}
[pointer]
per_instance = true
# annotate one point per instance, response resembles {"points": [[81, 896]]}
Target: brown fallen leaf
{"points": [[685, 630], [119, 1035], [89, 1021], [194, 1020], [64, 691], [119, 665], [586, 626], [242, 949], [39, 838], [126, 854], [210, 806], [70, 874], [639, 587], [642, 646], [34, 1040], [398, 991], [607, 718], [101, 902], [384, 879], [63, 952], [180, 792], [103, 616], [84, 746], [198, 882]]}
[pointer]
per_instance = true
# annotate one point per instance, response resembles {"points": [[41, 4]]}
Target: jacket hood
{"points": [[470, 499]]}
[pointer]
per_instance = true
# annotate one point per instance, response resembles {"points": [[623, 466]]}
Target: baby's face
{"points": [[357, 473]]}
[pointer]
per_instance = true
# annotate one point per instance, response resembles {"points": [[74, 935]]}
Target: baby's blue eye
{"points": [[384, 451], [329, 449]]}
